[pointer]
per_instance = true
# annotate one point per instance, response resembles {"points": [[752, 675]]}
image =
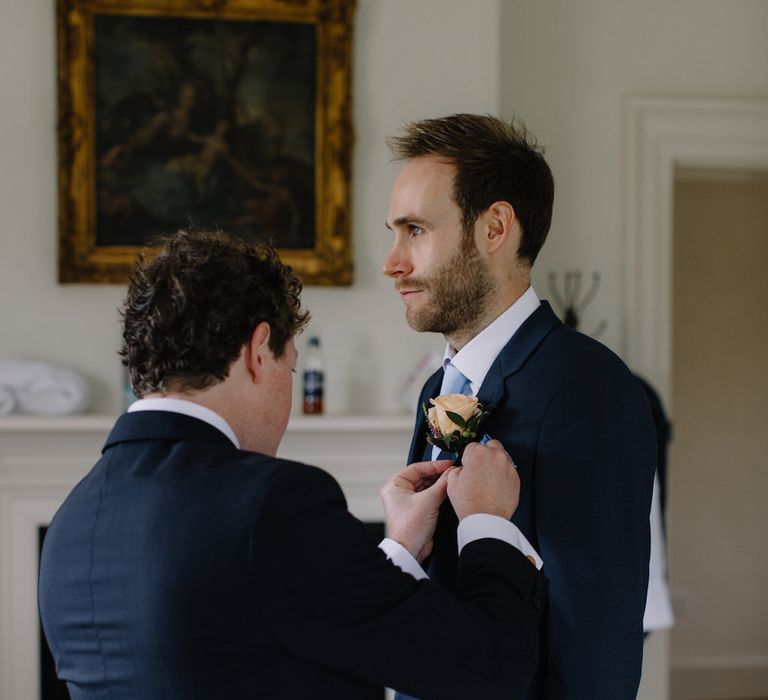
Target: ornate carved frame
{"points": [[80, 258]]}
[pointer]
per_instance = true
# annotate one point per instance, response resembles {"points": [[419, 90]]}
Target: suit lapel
{"points": [[443, 563], [492, 391], [528, 337], [418, 440], [514, 354]]}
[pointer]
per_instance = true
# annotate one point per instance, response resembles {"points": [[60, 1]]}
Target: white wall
{"points": [[40, 320], [412, 60], [566, 67]]}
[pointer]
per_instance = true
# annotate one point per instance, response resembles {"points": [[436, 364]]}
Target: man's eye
{"points": [[415, 230]]}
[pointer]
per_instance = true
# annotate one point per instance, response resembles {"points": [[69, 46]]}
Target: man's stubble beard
{"points": [[459, 294]]}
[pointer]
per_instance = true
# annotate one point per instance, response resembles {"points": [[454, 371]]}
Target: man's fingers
{"points": [[474, 450], [424, 471], [451, 475], [442, 482], [496, 445], [437, 491]]}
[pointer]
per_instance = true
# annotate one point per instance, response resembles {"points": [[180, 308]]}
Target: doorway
{"points": [[718, 474]]}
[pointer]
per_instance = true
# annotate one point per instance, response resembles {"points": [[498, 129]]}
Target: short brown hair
{"points": [[193, 305], [495, 161]]}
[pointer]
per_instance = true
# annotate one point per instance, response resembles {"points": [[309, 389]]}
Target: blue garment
{"points": [[454, 382], [579, 429], [182, 568]]}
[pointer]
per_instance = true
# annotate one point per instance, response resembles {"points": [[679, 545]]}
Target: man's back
{"points": [[148, 572], [182, 567]]}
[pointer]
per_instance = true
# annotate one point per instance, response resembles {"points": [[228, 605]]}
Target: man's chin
{"points": [[422, 323], [414, 320]]}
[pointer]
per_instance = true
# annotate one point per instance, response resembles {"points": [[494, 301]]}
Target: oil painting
{"points": [[205, 115]]}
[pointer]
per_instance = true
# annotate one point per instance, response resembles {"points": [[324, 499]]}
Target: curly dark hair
{"points": [[193, 304], [495, 161]]}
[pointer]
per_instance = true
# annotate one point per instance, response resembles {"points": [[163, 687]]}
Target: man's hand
{"points": [[486, 483], [412, 499]]}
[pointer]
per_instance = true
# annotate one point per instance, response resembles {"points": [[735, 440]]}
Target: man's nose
{"points": [[396, 263]]}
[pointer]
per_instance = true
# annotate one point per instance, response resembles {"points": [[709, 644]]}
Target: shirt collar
{"points": [[476, 357], [187, 408]]}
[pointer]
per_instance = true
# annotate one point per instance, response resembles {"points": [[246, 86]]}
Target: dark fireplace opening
{"points": [[51, 688]]}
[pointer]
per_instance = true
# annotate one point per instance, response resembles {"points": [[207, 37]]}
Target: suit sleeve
{"points": [[336, 601], [593, 481]]}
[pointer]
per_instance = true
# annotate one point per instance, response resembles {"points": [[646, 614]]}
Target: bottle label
{"points": [[313, 382], [313, 391]]}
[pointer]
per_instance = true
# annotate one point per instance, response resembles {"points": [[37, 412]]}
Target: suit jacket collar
{"points": [[509, 361], [515, 353], [164, 425]]}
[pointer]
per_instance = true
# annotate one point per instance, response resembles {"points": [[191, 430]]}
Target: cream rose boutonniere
{"points": [[454, 421]]}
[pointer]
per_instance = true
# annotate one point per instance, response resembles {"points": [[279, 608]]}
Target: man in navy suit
{"points": [[192, 563], [470, 211]]}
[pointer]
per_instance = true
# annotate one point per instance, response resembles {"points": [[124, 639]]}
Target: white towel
{"points": [[7, 400], [44, 389]]}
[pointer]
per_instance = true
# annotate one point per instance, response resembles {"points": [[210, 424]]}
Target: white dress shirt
{"points": [[187, 408], [476, 357], [658, 606], [474, 527]]}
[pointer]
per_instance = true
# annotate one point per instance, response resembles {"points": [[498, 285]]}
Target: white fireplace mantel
{"points": [[42, 458]]}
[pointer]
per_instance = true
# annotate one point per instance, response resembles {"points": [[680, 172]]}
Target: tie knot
{"points": [[454, 382]]}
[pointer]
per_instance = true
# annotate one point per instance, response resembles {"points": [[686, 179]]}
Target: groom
{"points": [[470, 211]]}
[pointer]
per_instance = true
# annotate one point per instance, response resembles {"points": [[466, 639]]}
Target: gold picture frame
{"points": [[231, 114]]}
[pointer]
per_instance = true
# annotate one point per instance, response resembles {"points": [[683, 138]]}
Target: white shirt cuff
{"points": [[402, 558], [482, 525]]}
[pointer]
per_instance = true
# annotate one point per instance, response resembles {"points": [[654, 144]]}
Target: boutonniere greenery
{"points": [[453, 421]]}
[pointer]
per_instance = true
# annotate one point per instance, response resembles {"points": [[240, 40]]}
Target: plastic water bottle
{"points": [[314, 378]]}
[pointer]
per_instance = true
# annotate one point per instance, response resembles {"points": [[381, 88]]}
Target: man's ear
{"points": [[255, 350], [497, 227]]}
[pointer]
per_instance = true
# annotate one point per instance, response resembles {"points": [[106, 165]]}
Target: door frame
{"points": [[660, 135]]}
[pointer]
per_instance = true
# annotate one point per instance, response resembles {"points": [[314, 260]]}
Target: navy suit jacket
{"points": [[182, 567], [579, 428]]}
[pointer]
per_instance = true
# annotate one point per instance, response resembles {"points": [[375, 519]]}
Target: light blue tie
{"points": [[454, 382]]}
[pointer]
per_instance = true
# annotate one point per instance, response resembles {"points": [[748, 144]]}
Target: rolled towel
{"points": [[7, 400], [45, 389]]}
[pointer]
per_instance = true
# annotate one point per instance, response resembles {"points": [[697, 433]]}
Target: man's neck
{"points": [[498, 305], [201, 398], [194, 409], [213, 398]]}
